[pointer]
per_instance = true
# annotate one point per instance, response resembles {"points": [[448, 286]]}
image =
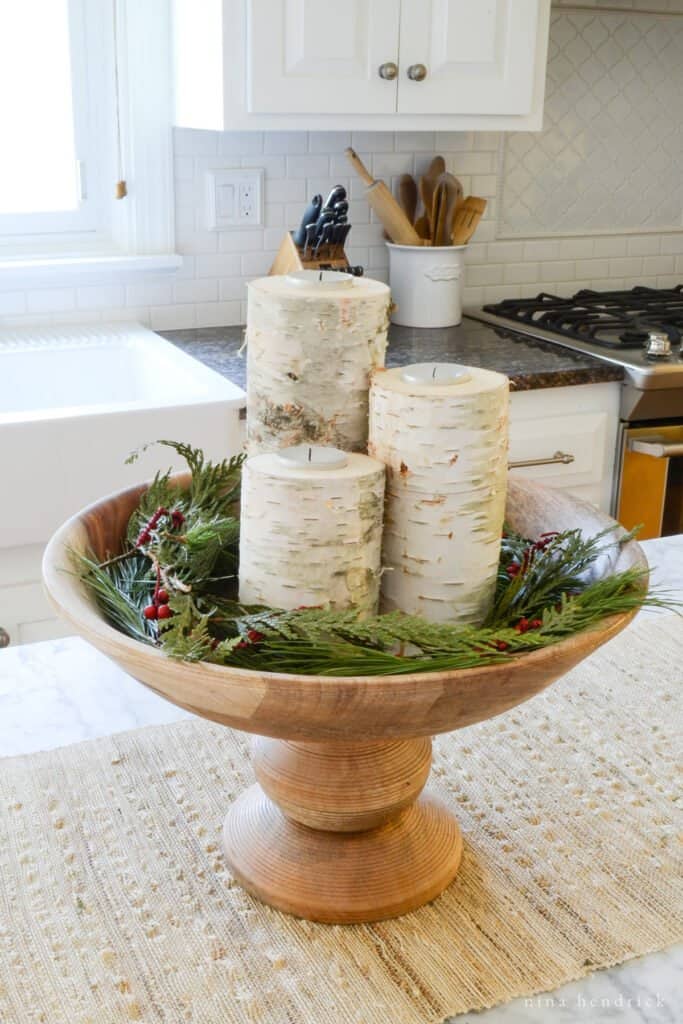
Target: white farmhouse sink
{"points": [[74, 402]]}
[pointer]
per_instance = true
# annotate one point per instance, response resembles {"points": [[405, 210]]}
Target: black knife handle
{"points": [[343, 233], [311, 215], [336, 195]]}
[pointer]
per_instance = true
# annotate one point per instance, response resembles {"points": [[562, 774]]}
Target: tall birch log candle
{"points": [[313, 339], [441, 431], [311, 529]]}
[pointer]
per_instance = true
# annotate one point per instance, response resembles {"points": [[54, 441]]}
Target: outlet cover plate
{"points": [[234, 198]]}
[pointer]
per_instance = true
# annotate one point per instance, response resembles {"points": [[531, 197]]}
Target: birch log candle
{"points": [[313, 339], [311, 529], [441, 431]]}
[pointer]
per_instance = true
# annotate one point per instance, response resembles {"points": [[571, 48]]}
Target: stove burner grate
{"points": [[614, 320]]}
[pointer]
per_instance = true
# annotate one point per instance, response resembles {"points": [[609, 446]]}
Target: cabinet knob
{"points": [[388, 70], [4, 637], [417, 72]]}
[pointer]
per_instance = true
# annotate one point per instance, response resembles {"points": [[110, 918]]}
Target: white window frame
{"points": [[131, 234]]}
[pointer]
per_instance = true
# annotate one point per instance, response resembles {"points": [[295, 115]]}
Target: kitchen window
{"points": [[85, 91]]}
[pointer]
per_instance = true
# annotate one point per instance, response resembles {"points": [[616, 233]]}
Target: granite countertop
{"points": [[528, 363]]}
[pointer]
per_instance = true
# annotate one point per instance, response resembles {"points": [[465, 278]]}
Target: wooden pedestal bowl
{"points": [[338, 827]]}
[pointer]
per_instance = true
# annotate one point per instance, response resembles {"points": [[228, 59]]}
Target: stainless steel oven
{"points": [[641, 331], [649, 478]]}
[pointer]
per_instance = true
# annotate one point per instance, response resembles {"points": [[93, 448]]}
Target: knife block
{"points": [[290, 258]]}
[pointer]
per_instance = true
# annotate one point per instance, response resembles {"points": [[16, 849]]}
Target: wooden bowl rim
{"points": [[59, 583]]}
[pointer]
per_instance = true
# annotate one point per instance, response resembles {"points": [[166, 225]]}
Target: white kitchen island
{"points": [[63, 691]]}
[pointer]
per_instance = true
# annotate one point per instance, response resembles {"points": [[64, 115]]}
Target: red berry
{"points": [[144, 538], [164, 612], [162, 596], [151, 611], [241, 645], [254, 636], [535, 623], [523, 626], [177, 518], [513, 569], [502, 645]]}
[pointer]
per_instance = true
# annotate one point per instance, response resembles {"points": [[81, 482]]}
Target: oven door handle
{"points": [[552, 460], [654, 448]]}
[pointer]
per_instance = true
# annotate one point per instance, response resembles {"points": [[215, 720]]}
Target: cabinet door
{"points": [[321, 56], [479, 56]]}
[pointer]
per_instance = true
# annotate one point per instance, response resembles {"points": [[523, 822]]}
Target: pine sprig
{"points": [[186, 542]]}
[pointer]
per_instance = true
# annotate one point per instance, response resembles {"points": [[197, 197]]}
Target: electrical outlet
{"points": [[234, 198]]}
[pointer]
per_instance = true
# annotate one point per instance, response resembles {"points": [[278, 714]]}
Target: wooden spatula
{"points": [[394, 220], [451, 197], [427, 186], [438, 217], [467, 217]]}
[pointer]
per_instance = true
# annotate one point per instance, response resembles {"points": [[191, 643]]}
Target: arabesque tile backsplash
{"points": [[595, 200]]}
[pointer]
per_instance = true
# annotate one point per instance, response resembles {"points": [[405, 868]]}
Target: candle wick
{"points": [[310, 454], [434, 373], [321, 276]]}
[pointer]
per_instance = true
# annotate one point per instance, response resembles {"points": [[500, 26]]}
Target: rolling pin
{"points": [[392, 217]]}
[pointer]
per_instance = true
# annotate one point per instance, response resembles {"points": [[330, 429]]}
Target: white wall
{"points": [[612, 123]]}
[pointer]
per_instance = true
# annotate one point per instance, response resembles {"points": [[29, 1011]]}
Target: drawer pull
{"points": [[656, 448], [562, 457]]}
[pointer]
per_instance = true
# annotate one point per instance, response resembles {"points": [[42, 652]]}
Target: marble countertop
{"points": [[64, 691], [528, 363]]}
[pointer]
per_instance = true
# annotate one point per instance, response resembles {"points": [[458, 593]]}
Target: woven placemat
{"points": [[116, 905]]}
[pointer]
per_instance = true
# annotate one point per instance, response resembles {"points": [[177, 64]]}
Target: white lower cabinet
{"points": [[579, 421], [25, 613]]}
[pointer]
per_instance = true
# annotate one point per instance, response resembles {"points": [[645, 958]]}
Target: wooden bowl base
{"points": [[329, 872]]}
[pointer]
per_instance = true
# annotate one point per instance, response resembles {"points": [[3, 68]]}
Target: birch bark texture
{"points": [[311, 536], [445, 450], [310, 352]]}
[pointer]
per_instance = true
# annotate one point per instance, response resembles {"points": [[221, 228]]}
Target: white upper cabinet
{"points": [[473, 58], [363, 65], [320, 56]]}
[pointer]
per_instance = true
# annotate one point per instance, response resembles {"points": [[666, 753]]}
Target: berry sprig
{"points": [[145, 535], [516, 568], [158, 608]]}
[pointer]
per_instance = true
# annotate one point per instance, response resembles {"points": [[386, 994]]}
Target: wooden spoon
{"points": [[407, 196], [422, 228], [467, 217]]}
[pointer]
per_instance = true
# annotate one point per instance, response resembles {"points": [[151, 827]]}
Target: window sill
{"points": [[48, 270]]}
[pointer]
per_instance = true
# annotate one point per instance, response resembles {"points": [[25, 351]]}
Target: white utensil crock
{"points": [[426, 284]]}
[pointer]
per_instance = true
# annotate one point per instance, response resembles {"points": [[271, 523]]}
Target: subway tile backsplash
{"points": [[522, 246]]}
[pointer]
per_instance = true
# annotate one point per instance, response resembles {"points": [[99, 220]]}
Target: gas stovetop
{"points": [[640, 329]]}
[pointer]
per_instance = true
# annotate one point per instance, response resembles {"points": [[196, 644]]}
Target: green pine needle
{"points": [[546, 591]]}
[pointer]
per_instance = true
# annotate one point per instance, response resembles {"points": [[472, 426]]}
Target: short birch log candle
{"points": [[313, 339], [311, 529], [441, 431]]}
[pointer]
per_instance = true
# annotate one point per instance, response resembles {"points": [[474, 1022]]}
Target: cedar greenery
{"points": [[187, 541]]}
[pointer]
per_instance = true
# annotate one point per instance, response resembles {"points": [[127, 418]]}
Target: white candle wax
{"points": [[321, 278], [306, 456], [435, 374]]}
